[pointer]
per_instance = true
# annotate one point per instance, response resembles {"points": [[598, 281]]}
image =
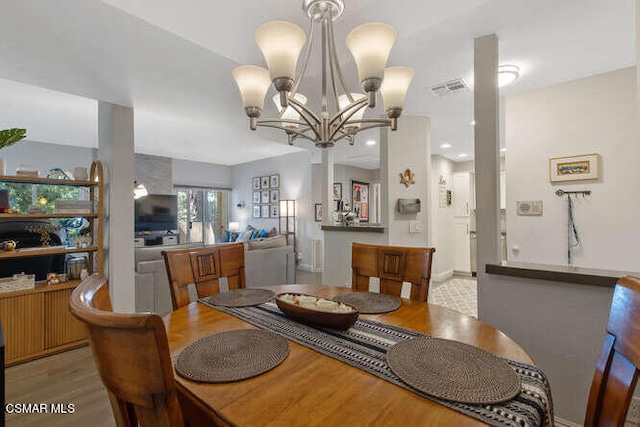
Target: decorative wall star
{"points": [[407, 177]]}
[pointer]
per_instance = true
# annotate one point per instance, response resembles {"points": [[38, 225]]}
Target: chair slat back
{"points": [[203, 267], [132, 356], [616, 372], [393, 265]]}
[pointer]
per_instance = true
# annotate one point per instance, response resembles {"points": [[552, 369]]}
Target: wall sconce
{"points": [[234, 226], [240, 205], [139, 190]]}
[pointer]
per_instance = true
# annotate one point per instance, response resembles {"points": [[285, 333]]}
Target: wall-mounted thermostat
{"points": [[532, 207]]}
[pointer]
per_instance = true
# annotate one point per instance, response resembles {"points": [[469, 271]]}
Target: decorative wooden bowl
{"points": [[314, 317]]}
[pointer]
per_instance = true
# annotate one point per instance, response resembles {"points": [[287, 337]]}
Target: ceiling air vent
{"points": [[450, 88]]}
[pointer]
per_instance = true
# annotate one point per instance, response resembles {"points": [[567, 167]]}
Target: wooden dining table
{"points": [[309, 388]]}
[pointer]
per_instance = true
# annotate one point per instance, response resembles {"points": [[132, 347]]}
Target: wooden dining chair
{"points": [[616, 372], [393, 265], [204, 267], [132, 356]]}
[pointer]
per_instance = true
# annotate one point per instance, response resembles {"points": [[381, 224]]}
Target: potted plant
{"points": [[9, 137]]}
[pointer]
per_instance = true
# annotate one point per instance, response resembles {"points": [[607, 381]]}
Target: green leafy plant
{"points": [[8, 137]]}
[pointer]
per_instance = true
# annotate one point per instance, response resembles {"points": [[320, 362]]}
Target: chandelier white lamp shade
{"points": [[342, 115], [290, 118], [253, 82], [370, 45], [394, 89]]}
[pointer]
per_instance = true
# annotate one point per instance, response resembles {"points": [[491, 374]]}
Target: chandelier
{"points": [[281, 44]]}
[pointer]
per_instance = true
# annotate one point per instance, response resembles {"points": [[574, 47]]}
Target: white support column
{"points": [[638, 52], [487, 156], [115, 150], [327, 186]]}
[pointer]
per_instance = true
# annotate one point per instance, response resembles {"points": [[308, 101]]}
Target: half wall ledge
{"points": [[559, 273]]}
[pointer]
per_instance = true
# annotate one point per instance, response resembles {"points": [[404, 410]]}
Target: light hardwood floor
{"points": [[69, 377]]}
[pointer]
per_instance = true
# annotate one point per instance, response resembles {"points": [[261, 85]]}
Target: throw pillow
{"points": [[269, 242], [272, 232]]}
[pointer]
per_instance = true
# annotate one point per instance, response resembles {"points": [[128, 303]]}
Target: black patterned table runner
{"points": [[365, 346]]}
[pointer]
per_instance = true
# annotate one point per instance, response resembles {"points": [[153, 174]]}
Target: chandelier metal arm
{"points": [[338, 68], [307, 55], [302, 109], [324, 65], [333, 63], [376, 125], [354, 107], [293, 131]]}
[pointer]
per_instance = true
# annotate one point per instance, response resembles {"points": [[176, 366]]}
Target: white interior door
{"points": [[462, 247]]}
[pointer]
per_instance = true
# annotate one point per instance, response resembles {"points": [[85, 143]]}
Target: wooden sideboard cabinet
{"points": [[37, 322]]}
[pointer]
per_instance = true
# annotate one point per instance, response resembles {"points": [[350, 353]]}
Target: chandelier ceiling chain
{"points": [[281, 43]]}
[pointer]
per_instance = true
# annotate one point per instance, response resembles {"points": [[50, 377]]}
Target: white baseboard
{"points": [[441, 277], [309, 268], [560, 422]]}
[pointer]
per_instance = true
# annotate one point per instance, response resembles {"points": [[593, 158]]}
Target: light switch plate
{"points": [[415, 226]]}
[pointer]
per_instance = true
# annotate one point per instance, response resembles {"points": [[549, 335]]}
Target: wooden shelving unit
{"points": [[37, 322]]}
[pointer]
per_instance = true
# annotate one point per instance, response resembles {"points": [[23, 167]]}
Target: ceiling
{"points": [[172, 61]]}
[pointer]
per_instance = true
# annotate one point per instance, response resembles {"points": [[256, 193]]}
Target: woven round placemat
{"points": [[242, 297], [370, 302], [232, 356], [453, 371]]}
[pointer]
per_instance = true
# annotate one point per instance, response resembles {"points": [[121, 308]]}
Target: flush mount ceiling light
{"points": [[342, 110], [445, 145], [507, 74], [371, 142]]}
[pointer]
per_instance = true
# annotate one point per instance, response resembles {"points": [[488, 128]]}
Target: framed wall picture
{"points": [[265, 196], [256, 197], [264, 182], [274, 180], [256, 211], [318, 209], [360, 200], [274, 196], [337, 191], [256, 183], [265, 211], [574, 168], [275, 211]]}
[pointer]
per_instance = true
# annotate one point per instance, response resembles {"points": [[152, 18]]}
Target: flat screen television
{"points": [[156, 212]]}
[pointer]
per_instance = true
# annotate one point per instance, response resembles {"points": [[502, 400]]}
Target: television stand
{"points": [[153, 240]]}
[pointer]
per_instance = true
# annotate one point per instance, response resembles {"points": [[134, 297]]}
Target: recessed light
{"points": [[371, 142], [462, 155], [473, 123], [503, 150], [507, 74], [445, 145]]}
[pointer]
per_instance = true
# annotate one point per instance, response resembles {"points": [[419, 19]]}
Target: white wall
{"points": [[295, 183], [441, 220], [46, 156], [560, 325], [592, 115], [189, 173], [407, 147]]}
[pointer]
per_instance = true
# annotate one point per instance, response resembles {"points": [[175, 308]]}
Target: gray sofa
{"points": [[263, 267]]}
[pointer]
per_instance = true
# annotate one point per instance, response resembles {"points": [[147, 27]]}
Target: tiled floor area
{"points": [[457, 293]]}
